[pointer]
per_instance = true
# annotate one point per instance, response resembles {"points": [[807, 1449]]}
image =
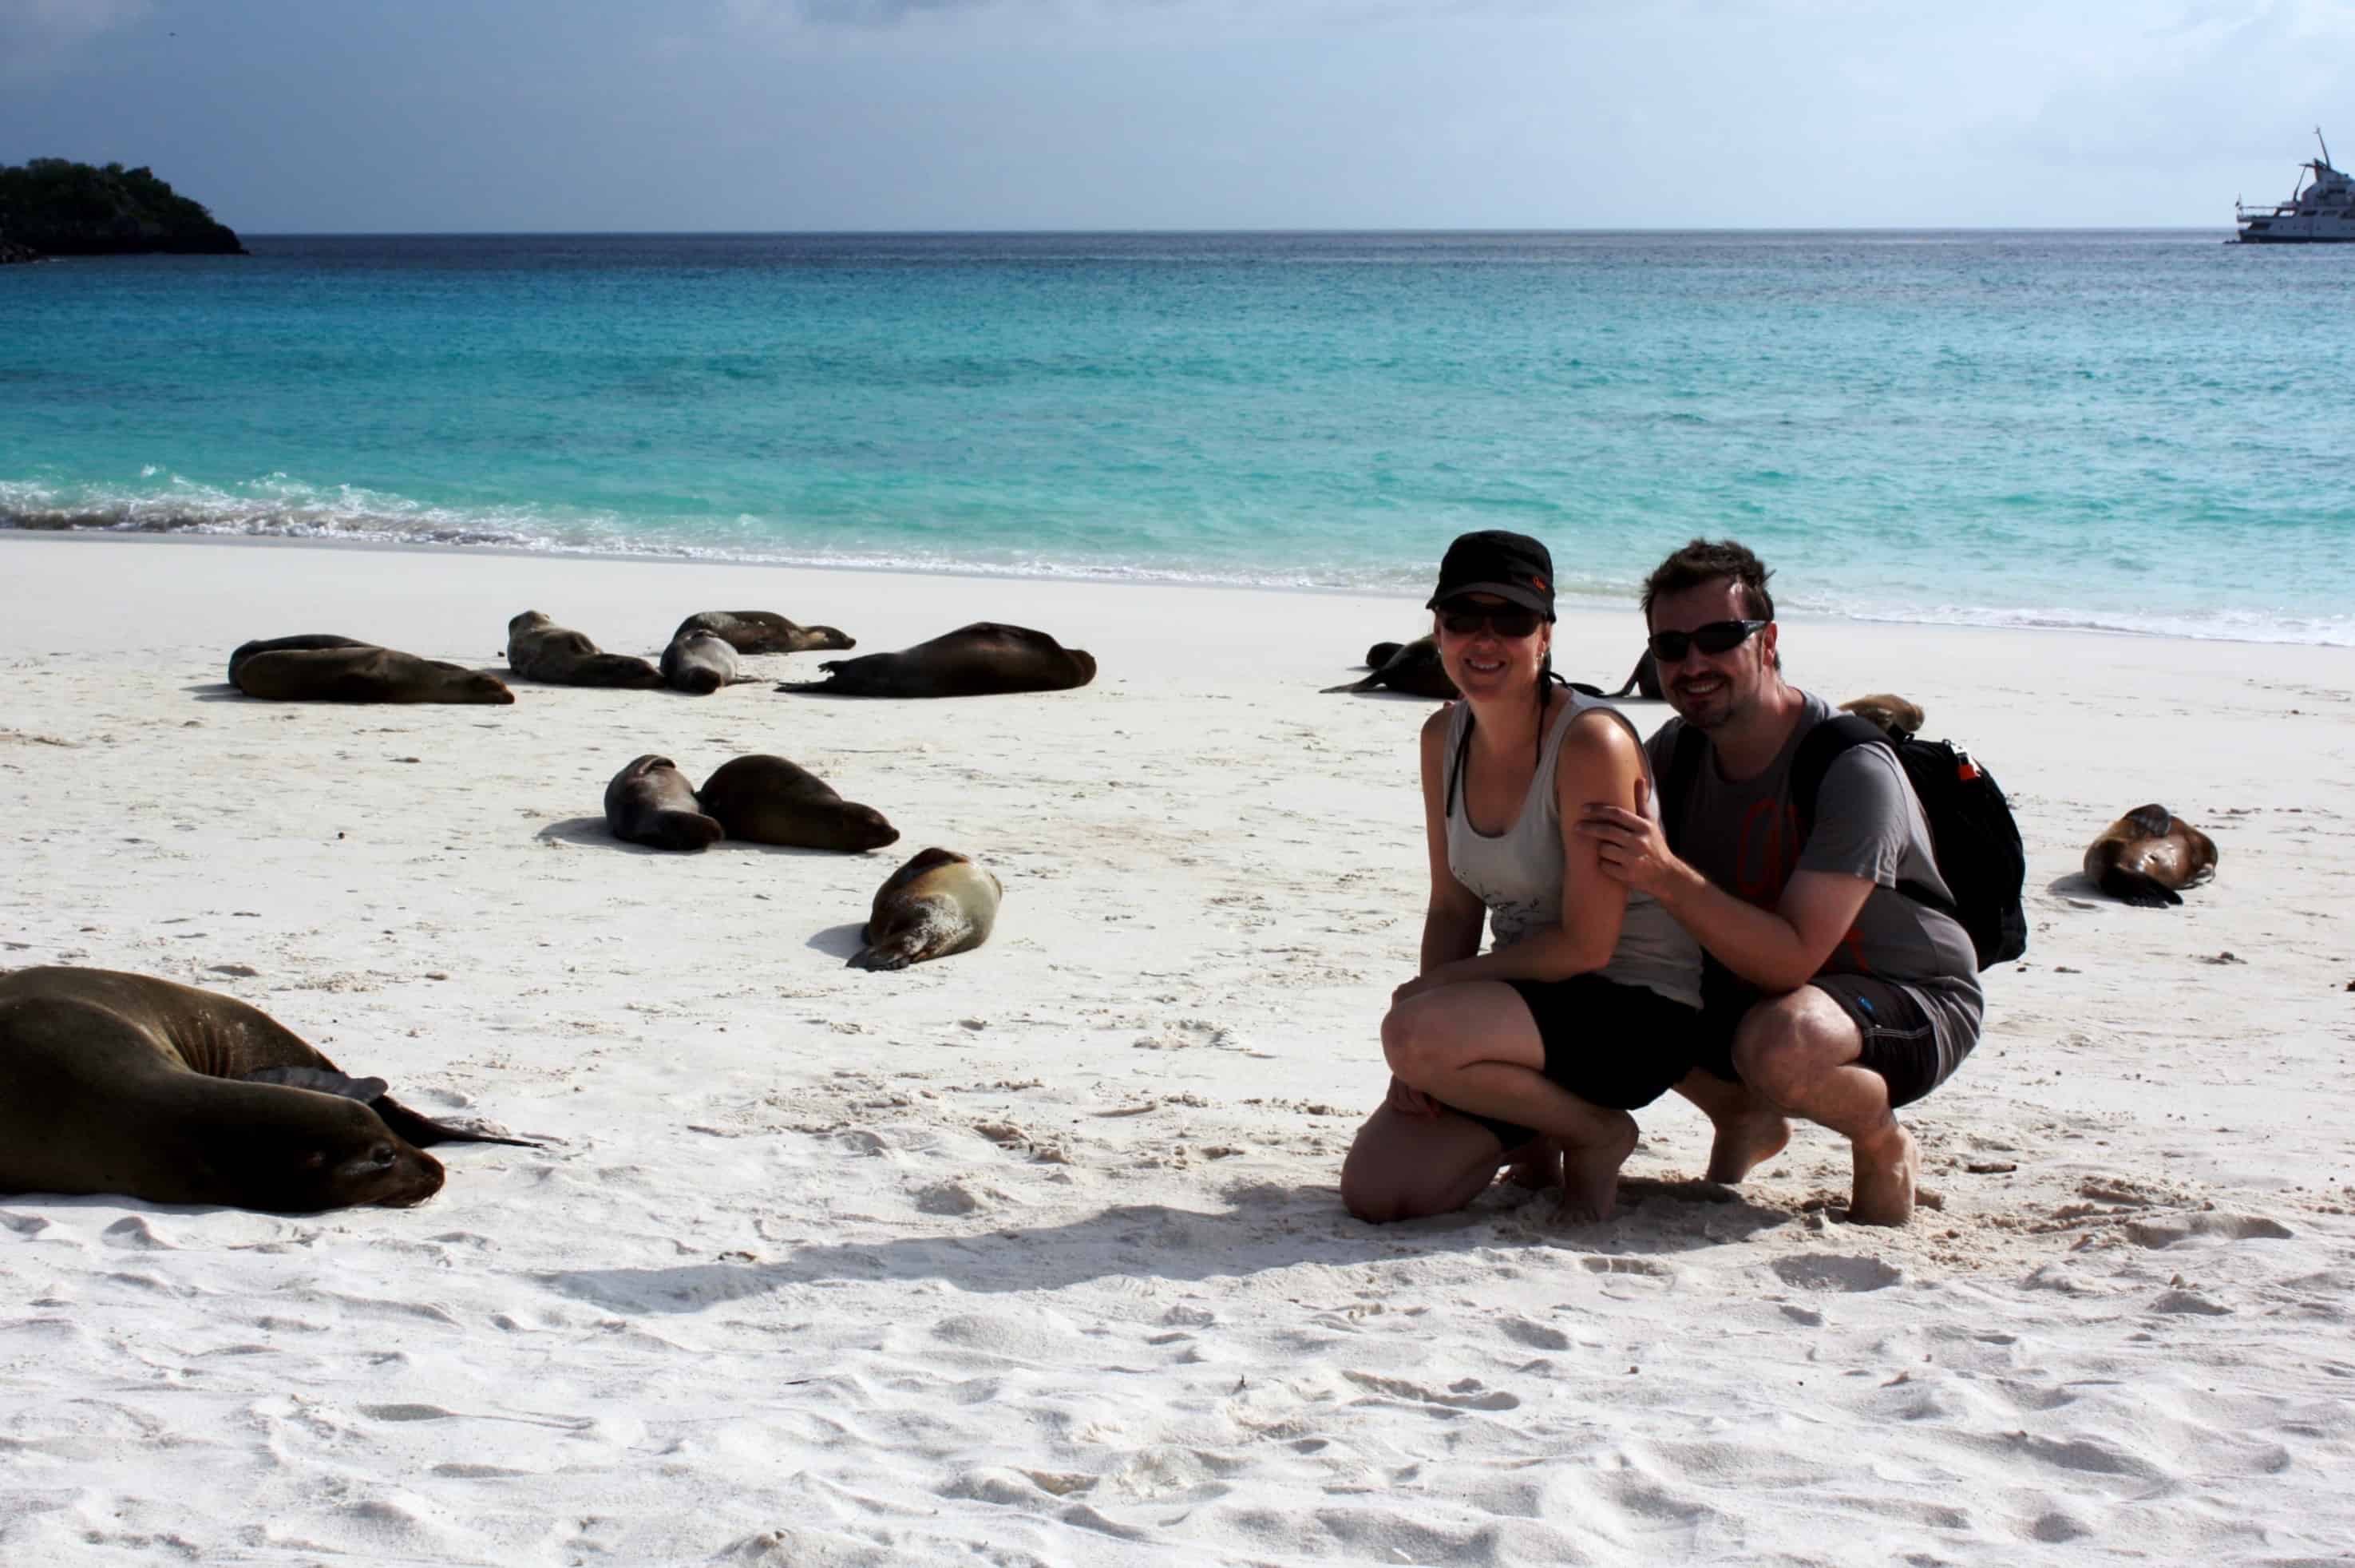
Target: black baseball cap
{"points": [[1514, 567]]}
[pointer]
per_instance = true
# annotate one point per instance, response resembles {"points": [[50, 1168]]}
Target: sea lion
{"points": [[698, 662], [650, 802], [763, 632], [540, 649], [769, 800], [980, 660], [1643, 680], [1896, 716], [309, 641], [936, 904], [2143, 857], [1413, 668], [115, 1083], [363, 674]]}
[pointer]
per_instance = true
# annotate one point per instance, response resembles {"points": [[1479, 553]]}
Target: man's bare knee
{"points": [[1784, 1046]]}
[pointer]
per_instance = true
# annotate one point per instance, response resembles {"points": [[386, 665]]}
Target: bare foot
{"points": [[1887, 1166], [1536, 1164], [1590, 1173], [1746, 1142]]}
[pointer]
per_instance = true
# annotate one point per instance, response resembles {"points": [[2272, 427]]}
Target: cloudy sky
{"points": [[318, 115]]}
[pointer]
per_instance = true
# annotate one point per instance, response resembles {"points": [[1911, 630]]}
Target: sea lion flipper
{"points": [[2135, 889], [423, 1131], [1366, 685], [321, 1080], [2154, 820]]}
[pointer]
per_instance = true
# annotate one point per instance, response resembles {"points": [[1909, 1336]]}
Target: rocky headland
{"points": [[52, 206]]}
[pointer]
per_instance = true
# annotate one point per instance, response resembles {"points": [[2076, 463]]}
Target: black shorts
{"points": [[1900, 1038], [1617, 1046]]}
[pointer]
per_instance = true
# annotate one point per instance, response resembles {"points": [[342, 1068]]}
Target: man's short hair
{"points": [[1703, 562]]}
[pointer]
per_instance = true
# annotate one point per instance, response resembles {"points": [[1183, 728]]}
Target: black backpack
{"points": [[1971, 831]]}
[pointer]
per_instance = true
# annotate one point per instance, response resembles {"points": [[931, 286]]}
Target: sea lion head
{"points": [[1084, 662], [317, 1152], [863, 827], [828, 637], [475, 685], [529, 621]]}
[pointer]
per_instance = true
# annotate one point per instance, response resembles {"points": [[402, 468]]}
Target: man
{"points": [[1831, 996]]}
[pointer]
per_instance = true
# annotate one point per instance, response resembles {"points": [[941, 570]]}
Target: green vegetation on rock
{"points": [[54, 207]]}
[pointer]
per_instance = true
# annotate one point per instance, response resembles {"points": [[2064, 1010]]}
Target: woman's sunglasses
{"points": [[1717, 637], [1504, 620]]}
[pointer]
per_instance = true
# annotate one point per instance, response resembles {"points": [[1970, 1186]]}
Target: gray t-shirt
{"points": [[1743, 836]]}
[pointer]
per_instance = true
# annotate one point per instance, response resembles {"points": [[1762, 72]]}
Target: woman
{"points": [[1536, 1051]]}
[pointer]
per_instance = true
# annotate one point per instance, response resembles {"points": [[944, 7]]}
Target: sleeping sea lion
{"points": [[2143, 857], [650, 802], [763, 632], [936, 904], [698, 662], [363, 674], [309, 641], [1896, 717], [1413, 668], [769, 800], [980, 660], [540, 649], [115, 1083]]}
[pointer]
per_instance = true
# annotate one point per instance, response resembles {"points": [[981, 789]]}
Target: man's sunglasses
{"points": [[1507, 622], [1717, 637]]}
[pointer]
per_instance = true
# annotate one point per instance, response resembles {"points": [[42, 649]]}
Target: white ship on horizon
{"points": [[2320, 209]]}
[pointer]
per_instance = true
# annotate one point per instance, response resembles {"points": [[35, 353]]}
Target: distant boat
{"points": [[2320, 212]]}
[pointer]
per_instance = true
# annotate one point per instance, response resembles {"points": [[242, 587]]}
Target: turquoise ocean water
{"points": [[2149, 432]]}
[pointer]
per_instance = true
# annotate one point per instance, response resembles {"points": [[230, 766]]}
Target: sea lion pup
{"points": [[2143, 857], [1412, 668], [1895, 716], [650, 802], [115, 1083], [363, 674], [936, 904], [767, 800], [540, 649], [309, 641], [698, 662], [763, 632], [1643, 680], [980, 660]]}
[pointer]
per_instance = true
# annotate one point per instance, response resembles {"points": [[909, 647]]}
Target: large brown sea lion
{"points": [[540, 649], [309, 641], [2143, 857], [763, 632], [1412, 668], [936, 904], [115, 1083], [1896, 716], [980, 660], [650, 802], [769, 800], [699, 663], [363, 674]]}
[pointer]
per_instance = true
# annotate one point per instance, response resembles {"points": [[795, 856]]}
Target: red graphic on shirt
{"points": [[1766, 855]]}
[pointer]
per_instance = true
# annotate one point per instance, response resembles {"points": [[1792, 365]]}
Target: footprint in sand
{"points": [[1828, 1271], [2179, 1229]]}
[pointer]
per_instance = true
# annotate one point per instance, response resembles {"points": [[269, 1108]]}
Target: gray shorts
{"points": [[1913, 1046]]}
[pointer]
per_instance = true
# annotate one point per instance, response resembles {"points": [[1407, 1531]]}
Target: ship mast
{"points": [[2325, 146]]}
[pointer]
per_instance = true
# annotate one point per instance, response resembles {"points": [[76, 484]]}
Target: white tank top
{"points": [[1518, 873]]}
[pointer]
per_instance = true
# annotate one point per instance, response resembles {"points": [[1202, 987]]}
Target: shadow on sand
{"points": [[1269, 1227]]}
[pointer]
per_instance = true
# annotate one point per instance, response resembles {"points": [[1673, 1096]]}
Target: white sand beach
{"points": [[1033, 1255]]}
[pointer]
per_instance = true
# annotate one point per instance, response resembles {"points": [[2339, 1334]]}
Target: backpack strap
{"points": [[1676, 784]]}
